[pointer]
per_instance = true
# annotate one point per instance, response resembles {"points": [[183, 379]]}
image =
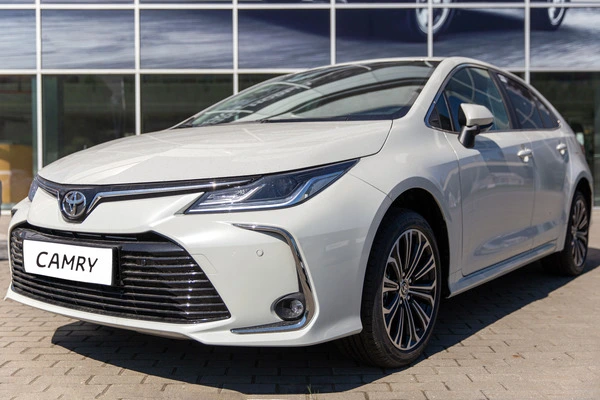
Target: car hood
{"points": [[219, 151]]}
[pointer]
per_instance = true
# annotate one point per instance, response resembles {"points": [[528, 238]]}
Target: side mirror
{"points": [[477, 119]]}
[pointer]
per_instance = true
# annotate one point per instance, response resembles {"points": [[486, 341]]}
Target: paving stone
{"points": [[527, 335]]}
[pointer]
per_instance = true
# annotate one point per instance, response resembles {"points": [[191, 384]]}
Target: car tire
{"points": [[417, 21], [548, 19], [571, 260], [400, 299]]}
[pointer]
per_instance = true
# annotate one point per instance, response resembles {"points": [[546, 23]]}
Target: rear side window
{"points": [[548, 118], [440, 115], [524, 104], [475, 86]]}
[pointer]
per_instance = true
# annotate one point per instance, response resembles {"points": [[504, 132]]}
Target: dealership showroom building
{"points": [[75, 73]]}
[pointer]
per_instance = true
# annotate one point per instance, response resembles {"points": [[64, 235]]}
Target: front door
{"points": [[496, 176]]}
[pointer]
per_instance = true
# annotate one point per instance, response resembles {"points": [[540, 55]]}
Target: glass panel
{"points": [[492, 35], [571, 42], [186, 1], [249, 80], [169, 99], [17, 137], [86, 1], [87, 39], [365, 34], [283, 38], [17, 42], [576, 95], [83, 110], [17, 1], [186, 39]]}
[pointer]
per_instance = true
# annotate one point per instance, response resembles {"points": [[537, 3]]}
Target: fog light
{"points": [[290, 307]]}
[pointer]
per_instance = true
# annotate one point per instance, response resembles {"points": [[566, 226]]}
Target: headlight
{"points": [[33, 188], [271, 191]]}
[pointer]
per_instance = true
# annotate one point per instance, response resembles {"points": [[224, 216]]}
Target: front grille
{"points": [[156, 279]]}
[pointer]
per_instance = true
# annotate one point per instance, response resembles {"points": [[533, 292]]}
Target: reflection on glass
{"points": [[17, 134], [574, 44], [283, 38], [84, 110], [186, 39], [17, 42], [86, 1], [249, 80], [17, 1], [87, 39], [492, 35], [169, 99], [576, 95], [186, 1], [365, 34], [366, 91]]}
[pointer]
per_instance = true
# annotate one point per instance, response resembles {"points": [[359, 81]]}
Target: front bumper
{"points": [[251, 258]]}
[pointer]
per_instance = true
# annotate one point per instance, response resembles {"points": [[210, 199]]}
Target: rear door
{"points": [[550, 157]]}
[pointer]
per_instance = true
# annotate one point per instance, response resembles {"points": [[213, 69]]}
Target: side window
{"points": [[548, 118], [524, 104], [440, 116], [475, 86]]}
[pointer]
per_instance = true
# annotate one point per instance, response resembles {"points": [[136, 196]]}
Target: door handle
{"points": [[562, 149], [525, 154]]}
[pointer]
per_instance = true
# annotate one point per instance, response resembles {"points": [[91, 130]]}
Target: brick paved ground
{"points": [[528, 335]]}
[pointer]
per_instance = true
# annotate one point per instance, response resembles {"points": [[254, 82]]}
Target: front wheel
{"points": [[571, 260], [401, 294]]}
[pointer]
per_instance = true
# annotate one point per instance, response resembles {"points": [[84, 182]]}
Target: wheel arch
{"points": [[422, 200]]}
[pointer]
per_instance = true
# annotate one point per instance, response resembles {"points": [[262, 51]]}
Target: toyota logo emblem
{"points": [[73, 204]]}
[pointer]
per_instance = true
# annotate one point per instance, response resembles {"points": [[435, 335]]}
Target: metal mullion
{"points": [[138, 79], [332, 33], [38, 86], [527, 40], [429, 28], [235, 28]]}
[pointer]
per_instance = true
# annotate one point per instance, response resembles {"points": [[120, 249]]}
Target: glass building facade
{"points": [[75, 73]]}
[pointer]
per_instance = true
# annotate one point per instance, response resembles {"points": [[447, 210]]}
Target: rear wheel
{"points": [[401, 294], [571, 260]]}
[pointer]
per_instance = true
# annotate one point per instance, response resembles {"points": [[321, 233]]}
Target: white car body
{"points": [[321, 247]]}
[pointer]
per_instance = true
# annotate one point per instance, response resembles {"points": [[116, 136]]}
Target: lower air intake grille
{"points": [[157, 280]]}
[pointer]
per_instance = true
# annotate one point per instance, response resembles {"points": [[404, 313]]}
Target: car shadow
{"points": [[303, 370]]}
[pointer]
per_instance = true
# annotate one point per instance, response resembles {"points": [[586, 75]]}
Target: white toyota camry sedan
{"points": [[342, 202]]}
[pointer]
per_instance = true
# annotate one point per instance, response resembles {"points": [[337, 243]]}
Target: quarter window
{"points": [[523, 103], [475, 86], [548, 118], [440, 116]]}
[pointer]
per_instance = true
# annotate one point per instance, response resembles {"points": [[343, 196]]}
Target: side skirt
{"points": [[480, 277]]}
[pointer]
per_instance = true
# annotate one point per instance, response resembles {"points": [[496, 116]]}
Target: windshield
{"points": [[366, 91]]}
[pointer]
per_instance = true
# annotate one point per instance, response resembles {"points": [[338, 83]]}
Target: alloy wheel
{"points": [[409, 290], [579, 232]]}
